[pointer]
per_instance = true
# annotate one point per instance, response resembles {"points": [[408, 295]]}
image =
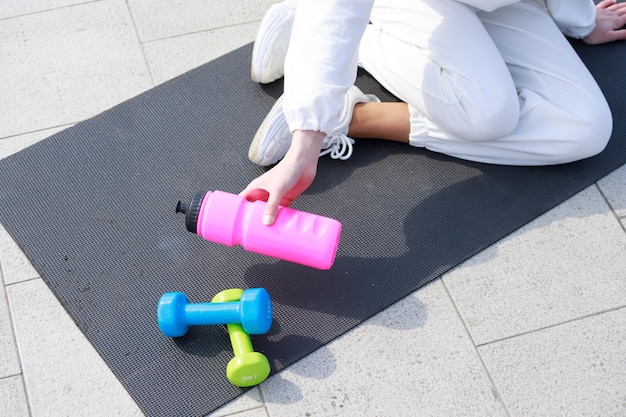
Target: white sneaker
{"points": [[272, 41], [273, 138]]}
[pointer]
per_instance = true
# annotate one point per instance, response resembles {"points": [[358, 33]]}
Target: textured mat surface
{"points": [[92, 207]]}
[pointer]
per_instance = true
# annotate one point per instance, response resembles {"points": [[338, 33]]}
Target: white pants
{"points": [[501, 87]]}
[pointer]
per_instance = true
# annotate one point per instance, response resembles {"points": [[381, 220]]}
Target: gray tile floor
{"points": [[533, 326]]}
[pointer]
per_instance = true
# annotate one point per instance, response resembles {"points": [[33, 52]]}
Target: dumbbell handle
{"points": [[239, 339], [211, 313]]}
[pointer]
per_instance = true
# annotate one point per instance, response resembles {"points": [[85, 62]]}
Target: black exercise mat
{"points": [[92, 207]]}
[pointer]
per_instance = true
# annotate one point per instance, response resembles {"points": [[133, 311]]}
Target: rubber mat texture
{"points": [[93, 209]]}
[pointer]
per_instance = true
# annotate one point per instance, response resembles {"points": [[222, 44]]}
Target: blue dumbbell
{"points": [[253, 311]]}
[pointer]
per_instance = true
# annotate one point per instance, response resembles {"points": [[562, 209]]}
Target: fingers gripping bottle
{"points": [[295, 236]]}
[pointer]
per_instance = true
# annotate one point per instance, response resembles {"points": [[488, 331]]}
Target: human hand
{"points": [[610, 20], [282, 184]]}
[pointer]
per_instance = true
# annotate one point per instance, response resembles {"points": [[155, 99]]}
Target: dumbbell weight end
{"points": [[247, 368]]}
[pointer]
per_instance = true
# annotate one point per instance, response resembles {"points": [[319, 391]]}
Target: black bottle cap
{"points": [[191, 210]]}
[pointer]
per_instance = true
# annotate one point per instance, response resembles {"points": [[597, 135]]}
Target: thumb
{"points": [[271, 210]]}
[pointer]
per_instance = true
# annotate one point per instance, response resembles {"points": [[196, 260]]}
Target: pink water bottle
{"points": [[295, 236]]}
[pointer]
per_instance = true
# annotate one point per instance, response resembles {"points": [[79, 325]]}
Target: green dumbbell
{"points": [[247, 368]]}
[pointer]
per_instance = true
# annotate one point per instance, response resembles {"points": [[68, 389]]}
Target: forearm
{"points": [[575, 18], [321, 62]]}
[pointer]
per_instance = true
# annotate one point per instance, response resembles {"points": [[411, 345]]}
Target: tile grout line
{"points": [[10, 284], [241, 412], [140, 43], [49, 10], [267, 410], [180, 35], [10, 376], [22, 380], [264, 406], [540, 329], [494, 388], [606, 200], [64, 126], [17, 350]]}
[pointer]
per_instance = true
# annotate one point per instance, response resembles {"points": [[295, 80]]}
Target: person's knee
{"points": [[587, 136], [488, 123], [592, 137]]}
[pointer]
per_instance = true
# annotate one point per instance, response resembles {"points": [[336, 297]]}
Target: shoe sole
{"points": [[274, 16], [257, 153]]}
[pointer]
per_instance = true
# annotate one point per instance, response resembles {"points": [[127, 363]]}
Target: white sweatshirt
{"points": [[321, 63]]}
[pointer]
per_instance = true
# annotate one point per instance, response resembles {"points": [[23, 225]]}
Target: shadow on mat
{"points": [[378, 279], [438, 233]]}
